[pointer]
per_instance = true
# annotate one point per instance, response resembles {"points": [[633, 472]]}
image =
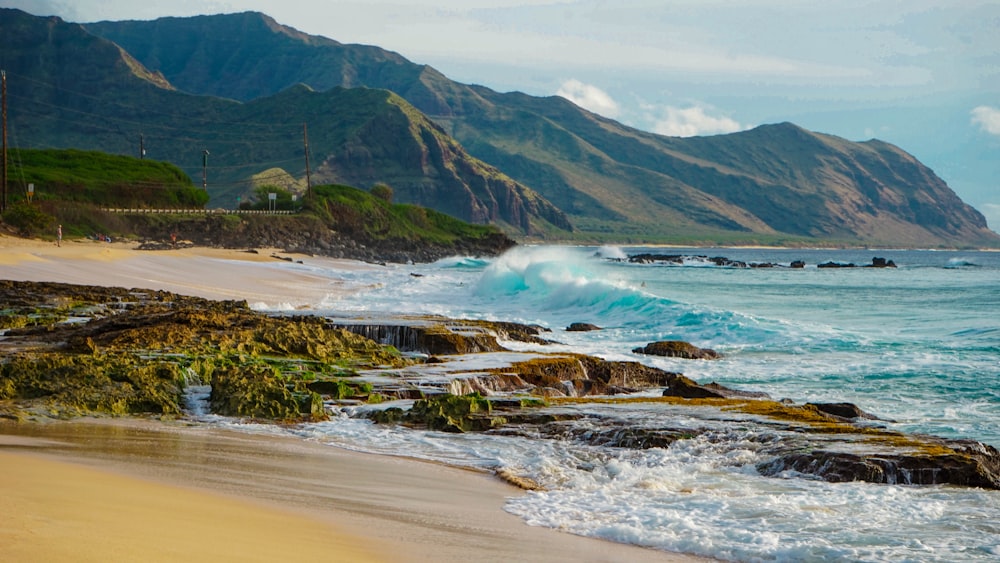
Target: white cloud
{"points": [[987, 118], [693, 121], [589, 97]]}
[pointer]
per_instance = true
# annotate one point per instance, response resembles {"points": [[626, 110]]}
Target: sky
{"points": [[921, 74]]}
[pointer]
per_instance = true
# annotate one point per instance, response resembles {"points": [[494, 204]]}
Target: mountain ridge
{"points": [[770, 185], [232, 139]]}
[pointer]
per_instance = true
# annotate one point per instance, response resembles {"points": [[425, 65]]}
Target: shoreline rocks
{"points": [[677, 349], [723, 262], [70, 351]]}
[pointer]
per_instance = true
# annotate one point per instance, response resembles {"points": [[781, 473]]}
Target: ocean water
{"points": [[918, 344]]}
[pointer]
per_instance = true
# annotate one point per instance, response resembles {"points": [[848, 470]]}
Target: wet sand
{"points": [[136, 489]]}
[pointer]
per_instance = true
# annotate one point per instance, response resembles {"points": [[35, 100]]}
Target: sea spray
{"points": [[915, 345]]}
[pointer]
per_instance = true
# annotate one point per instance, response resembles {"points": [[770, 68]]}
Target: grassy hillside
{"points": [[73, 187], [100, 178], [364, 216]]}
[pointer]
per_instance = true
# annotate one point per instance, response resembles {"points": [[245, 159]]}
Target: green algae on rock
{"points": [[137, 350], [79, 384]]}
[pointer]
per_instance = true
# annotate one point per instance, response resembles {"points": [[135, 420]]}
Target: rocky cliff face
{"points": [[423, 165]]}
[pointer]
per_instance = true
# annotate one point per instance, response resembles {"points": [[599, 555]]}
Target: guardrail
{"points": [[141, 210]]}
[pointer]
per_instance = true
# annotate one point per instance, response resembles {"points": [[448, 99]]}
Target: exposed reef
{"points": [[69, 351], [723, 262]]}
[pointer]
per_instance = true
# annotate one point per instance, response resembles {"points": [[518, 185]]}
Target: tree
{"points": [[283, 199]]}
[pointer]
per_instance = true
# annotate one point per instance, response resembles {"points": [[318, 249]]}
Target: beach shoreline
{"points": [[232, 486], [266, 275], [371, 507]]}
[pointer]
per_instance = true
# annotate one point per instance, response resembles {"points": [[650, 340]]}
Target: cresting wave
{"points": [[569, 284], [915, 345]]}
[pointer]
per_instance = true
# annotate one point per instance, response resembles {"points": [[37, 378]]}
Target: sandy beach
{"points": [[261, 276], [129, 490]]}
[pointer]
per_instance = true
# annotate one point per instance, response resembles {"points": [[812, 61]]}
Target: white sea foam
{"points": [[916, 345]]}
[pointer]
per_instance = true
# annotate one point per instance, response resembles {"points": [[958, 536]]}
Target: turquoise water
{"points": [[918, 344]]}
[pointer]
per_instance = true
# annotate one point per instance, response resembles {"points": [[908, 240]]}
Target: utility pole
{"points": [[204, 170], [3, 95], [305, 138]]}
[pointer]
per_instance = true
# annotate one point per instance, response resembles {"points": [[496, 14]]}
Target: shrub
{"points": [[28, 219], [383, 192]]}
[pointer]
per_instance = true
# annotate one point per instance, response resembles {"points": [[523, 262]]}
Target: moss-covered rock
{"points": [[259, 391], [454, 413], [93, 384], [139, 348]]}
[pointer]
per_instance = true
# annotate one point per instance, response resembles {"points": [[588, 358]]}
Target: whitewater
{"points": [[918, 345]]}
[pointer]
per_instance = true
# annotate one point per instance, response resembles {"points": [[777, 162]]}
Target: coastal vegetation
{"points": [[76, 189], [71, 187]]}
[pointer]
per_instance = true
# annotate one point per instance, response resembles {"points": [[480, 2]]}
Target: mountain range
{"points": [[253, 93]]}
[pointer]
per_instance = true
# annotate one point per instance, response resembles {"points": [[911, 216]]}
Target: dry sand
{"points": [[213, 273], [142, 490]]}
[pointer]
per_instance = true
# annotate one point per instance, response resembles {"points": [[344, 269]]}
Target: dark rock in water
{"points": [[441, 336], [798, 264], [730, 393], [582, 327], [678, 349], [876, 263], [685, 388], [843, 410], [679, 259], [970, 464], [881, 263], [648, 258], [577, 375], [727, 263]]}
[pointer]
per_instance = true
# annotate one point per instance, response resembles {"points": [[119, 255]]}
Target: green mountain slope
{"points": [[359, 136], [775, 184]]}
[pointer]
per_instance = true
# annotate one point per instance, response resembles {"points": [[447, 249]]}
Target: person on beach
{"points": [[59, 235]]}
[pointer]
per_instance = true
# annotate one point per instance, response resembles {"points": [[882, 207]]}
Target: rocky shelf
{"points": [[68, 351], [723, 262]]}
